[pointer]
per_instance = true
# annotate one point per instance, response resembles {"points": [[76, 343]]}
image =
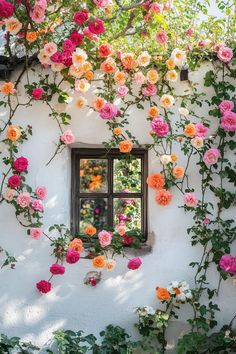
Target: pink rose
{"points": [[44, 286], [50, 48], [225, 54], [38, 14], [189, 32], [20, 164], [201, 130], [36, 233], [37, 93], [228, 264], [211, 156], [6, 9], [68, 45], [122, 91], [23, 199], [190, 200], [56, 57], [80, 17], [14, 181], [160, 126], [41, 192], [38, 205], [56, 269], [76, 37], [108, 111], [226, 106], [161, 37], [134, 263], [105, 238], [96, 26], [157, 8], [228, 122], [149, 90], [103, 3], [139, 78], [72, 256], [66, 58], [206, 221], [68, 137]]}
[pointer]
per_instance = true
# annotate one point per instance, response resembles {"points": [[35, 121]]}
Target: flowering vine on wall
{"points": [[79, 44]]}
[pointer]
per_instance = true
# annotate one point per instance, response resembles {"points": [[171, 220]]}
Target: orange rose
{"points": [[13, 132], [99, 262], [125, 146], [90, 230], [7, 88], [153, 111], [117, 131], [178, 172], [31, 37], [162, 294], [128, 60], [89, 75], [98, 103], [163, 197], [108, 66], [76, 245], [173, 157], [156, 181], [189, 130]]}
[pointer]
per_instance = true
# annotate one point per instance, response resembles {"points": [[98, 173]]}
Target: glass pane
{"points": [[128, 212], [93, 175], [127, 176], [93, 212]]}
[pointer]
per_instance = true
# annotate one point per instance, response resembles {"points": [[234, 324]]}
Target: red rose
{"points": [[96, 26], [128, 240], [76, 37], [105, 50], [72, 256], [134, 263], [20, 164], [80, 17], [44, 286], [14, 181], [57, 269], [6, 9], [37, 93]]}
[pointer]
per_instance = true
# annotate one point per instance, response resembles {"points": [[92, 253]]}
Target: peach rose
{"points": [[31, 36], [79, 57], [87, 66], [89, 75], [80, 102], [117, 131], [178, 172], [167, 101], [170, 64], [76, 245], [99, 262], [13, 132], [108, 66], [76, 71], [197, 142], [90, 230], [144, 59], [98, 103], [128, 60], [171, 75], [9, 194], [125, 146], [13, 25], [121, 229], [109, 264], [82, 85], [153, 111], [7, 88], [119, 78], [189, 130], [152, 76], [163, 197]]}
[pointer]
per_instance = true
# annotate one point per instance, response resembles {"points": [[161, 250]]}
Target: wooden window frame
{"points": [[76, 195]]}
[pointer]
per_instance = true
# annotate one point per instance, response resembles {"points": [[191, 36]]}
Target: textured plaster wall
{"points": [[23, 311]]}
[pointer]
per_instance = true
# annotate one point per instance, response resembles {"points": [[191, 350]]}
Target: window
{"points": [[109, 188]]}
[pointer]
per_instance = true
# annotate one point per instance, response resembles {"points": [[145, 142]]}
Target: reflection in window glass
{"points": [[93, 175], [128, 211], [127, 176], [93, 211]]}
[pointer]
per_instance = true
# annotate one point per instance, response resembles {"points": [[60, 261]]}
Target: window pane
{"points": [[93, 176], [94, 212], [128, 211], [127, 176]]}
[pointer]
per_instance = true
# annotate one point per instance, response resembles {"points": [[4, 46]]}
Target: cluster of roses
{"points": [[177, 290], [228, 119]]}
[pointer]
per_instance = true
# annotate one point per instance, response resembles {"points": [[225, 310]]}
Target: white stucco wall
{"points": [[71, 304]]}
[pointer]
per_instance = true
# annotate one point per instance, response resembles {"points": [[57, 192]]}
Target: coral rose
{"points": [[105, 50], [76, 245], [13, 132], [99, 262], [128, 60], [162, 294], [90, 230], [156, 181], [98, 103], [178, 172], [8, 88], [125, 146], [163, 197], [44, 286], [108, 66], [36, 233]]}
